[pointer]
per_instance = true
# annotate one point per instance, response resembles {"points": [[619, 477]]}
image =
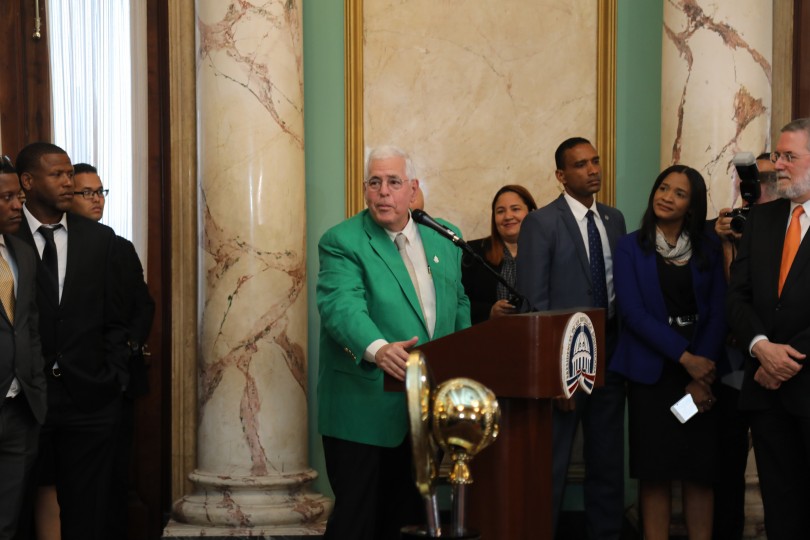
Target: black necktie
{"points": [[49, 257], [598, 280]]}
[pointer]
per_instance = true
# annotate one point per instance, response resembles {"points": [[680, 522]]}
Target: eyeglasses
{"points": [[395, 183], [89, 193], [789, 157]]}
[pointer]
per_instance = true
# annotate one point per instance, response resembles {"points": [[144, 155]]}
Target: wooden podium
{"points": [[518, 358]]}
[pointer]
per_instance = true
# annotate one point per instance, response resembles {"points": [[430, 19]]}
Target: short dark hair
{"points": [[764, 156], [83, 168], [567, 144], [6, 167], [29, 158]]}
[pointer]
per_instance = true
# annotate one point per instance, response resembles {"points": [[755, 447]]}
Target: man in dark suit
{"points": [[22, 381], [566, 262], [83, 339], [89, 197], [374, 309], [769, 311]]}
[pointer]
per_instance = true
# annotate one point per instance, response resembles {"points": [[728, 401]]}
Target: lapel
{"points": [[74, 254], [611, 226], [389, 254], [567, 217], [26, 269]]}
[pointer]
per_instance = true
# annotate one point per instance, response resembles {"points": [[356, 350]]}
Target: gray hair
{"points": [[800, 124], [390, 151]]}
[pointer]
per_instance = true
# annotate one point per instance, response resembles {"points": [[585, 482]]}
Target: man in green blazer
{"points": [[377, 301]]}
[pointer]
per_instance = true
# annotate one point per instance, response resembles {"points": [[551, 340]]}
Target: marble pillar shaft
{"points": [[716, 88], [252, 468]]}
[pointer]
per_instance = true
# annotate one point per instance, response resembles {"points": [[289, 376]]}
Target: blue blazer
{"points": [[646, 340]]}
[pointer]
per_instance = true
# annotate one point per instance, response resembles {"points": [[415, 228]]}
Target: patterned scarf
{"points": [[679, 254]]}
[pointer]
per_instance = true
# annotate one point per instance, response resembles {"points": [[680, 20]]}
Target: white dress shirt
{"points": [[60, 238], [416, 252]]}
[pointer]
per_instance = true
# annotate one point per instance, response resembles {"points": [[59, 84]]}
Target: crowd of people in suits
{"points": [[693, 308], [71, 351]]}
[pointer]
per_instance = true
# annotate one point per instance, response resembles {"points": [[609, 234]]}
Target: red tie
{"points": [[792, 240]]}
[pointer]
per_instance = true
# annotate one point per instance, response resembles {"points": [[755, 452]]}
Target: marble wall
{"points": [[480, 93], [716, 88]]}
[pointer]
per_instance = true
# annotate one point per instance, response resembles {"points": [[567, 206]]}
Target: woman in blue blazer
{"points": [[670, 292]]}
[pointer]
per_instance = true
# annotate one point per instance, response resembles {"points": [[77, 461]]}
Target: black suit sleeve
{"points": [[139, 305], [138, 311], [479, 284]]}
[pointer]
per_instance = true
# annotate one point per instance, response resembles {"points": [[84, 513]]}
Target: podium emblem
{"points": [[578, 355]]}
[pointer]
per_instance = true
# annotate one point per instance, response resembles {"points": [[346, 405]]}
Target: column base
{"points": [[185, 531], [273, 502]]}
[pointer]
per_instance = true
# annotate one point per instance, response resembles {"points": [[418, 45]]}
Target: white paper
{"points": [[684, 409]]}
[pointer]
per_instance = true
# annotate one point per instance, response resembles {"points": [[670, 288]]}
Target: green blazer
{"points": [[364, 293]]}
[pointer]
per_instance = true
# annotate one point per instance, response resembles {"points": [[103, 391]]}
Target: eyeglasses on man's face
{"points": [[89, 193], [375, 183], [789, 157]]}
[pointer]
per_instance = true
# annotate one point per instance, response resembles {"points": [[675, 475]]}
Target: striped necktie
{"points": [[7, 289]]}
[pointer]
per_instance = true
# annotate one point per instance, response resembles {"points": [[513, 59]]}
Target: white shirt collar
{"points": [[34, 224], [409, 231], [578, 209]]}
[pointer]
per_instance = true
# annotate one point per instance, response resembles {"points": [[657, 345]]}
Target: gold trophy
{"points": [[462, 416], [419, 389]]}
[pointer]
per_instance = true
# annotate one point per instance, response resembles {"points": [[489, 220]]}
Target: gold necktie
{"points": [[399, 240], [792, 240], [7, 289]]}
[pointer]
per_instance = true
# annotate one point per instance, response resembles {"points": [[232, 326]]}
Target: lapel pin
{"points": [[435, 259]]}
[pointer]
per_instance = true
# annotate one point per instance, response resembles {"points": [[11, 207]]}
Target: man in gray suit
{"points": [[22, 380], [566, 262]]}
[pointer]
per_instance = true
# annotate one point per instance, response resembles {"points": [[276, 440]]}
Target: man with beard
{"points": [[769, 312]]}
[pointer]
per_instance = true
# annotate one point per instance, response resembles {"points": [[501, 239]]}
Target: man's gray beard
{"points": [[794, 189]]}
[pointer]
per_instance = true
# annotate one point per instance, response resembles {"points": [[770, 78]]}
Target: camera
{"points": [[750, 190], [738, 217]]}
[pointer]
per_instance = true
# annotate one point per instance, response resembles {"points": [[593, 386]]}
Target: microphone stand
{"points": [[480, 260]]}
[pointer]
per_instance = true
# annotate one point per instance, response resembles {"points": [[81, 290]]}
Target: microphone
{"points": [[421, 217]]}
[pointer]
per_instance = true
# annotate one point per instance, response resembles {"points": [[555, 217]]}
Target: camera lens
{"points": [[738, 223]]}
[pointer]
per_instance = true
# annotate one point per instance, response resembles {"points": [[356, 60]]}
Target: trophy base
{"points": [[418, 533]]}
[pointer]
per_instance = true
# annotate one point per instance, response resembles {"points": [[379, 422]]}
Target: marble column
{"points": [[252, 469], [716, 88]]}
